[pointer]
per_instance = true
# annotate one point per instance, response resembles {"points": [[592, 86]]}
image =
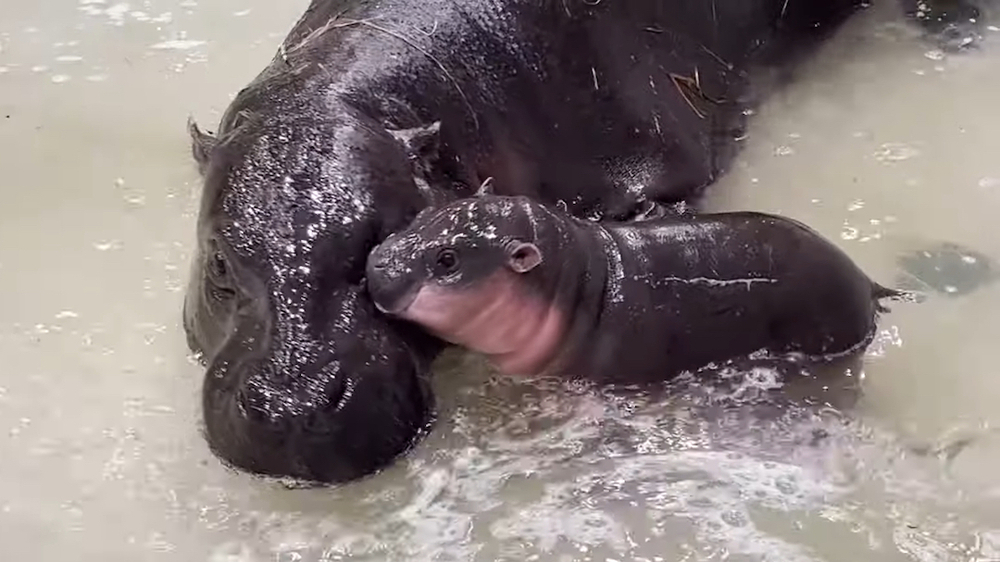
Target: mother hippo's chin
{"points": [[366, 116]]}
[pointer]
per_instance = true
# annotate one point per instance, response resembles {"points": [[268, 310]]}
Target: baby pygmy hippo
{"points": [[543, 293]]}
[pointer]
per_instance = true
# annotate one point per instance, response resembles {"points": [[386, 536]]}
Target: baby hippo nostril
{"points": [[377, 260]]}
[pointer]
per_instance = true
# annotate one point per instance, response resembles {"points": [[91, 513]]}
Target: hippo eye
{"points": [[447, 261], [218, 267]]}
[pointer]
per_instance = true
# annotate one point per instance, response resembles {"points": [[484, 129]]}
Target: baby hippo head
{"points": [[459, 269]]}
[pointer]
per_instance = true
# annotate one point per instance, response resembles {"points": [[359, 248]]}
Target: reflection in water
{"points": [[891, 153]]}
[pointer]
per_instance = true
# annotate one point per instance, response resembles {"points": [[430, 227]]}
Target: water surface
{"points": [[885, 146]]}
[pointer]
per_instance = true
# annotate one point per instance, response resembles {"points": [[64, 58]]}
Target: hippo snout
{"points": [[391, 285]]}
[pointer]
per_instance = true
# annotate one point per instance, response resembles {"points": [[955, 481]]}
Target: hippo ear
{"points": [[523, 256], [202, 145], [422, 143]]}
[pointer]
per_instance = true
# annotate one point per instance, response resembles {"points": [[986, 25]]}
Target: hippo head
{"points": [[474, 273], [305, 379], [455, 247]]}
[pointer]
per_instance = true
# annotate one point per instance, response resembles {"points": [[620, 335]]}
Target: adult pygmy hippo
{"points": [[372, 110], [541, 292]]}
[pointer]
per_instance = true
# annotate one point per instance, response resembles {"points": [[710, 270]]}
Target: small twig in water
{"points": [[690, 88], [427, 33], [683, 83], [486, 187], [719, 59]]}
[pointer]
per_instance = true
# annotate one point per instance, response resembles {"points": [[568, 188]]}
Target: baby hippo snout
{"points": [[391, 284]]}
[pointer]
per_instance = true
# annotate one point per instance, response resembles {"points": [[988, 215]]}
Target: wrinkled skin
{"points": [[541, 292], [373, 110]]}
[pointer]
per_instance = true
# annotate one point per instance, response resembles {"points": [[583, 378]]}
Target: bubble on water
{"points": [[69, 58], [67, 314], [39, 68], [242, 12], [989, 544], [108, 245], [117, 13], [784, 150], [855, 205], [60, 78], [22, 424], [989, 182], [177, 44], [934, 54], [231, 552], [895, 152], [157, 543], [849, 233], [96, 78]]}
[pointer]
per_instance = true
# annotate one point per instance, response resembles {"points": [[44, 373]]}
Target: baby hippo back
{"points": [[687, 291]]}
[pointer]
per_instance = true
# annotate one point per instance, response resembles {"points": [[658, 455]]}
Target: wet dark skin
{"points": [[640, 301], [373, 110]]}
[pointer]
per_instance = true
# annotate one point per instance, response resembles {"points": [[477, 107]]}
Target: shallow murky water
{"points": [[885, 146]]}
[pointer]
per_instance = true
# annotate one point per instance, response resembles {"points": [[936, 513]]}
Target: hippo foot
{"points": [[948, 269]]}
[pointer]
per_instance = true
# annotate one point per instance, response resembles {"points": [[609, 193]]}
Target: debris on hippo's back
{"points": [[946, 268]]}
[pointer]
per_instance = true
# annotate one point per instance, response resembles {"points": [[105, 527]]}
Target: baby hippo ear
{"points": [[523, 256]]}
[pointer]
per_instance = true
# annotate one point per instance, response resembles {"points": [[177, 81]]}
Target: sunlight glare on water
{"points": [[886, 146]]}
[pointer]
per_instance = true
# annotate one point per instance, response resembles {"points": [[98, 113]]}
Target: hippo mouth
{"points": [[393, 303]]}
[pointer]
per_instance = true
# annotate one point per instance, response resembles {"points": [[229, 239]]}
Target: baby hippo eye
{"points": [[447, 261]]}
